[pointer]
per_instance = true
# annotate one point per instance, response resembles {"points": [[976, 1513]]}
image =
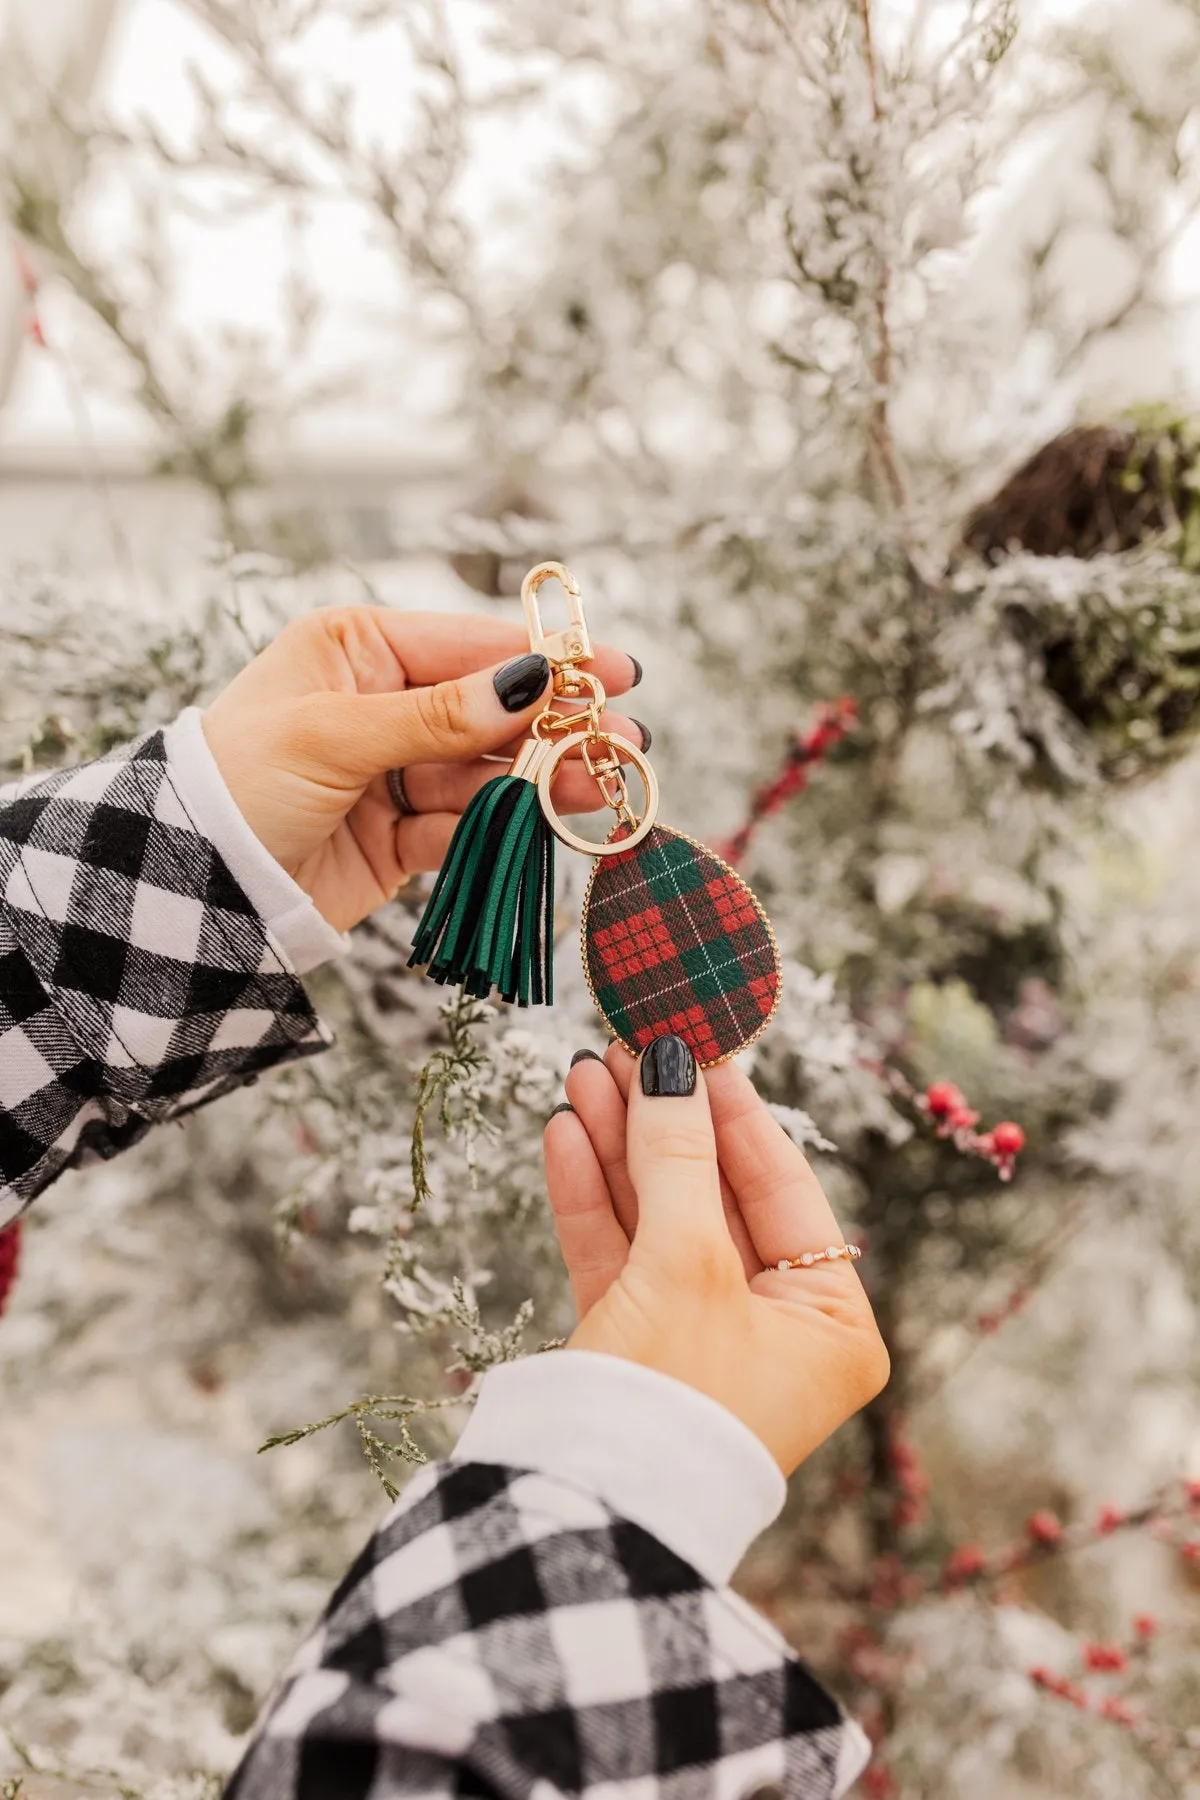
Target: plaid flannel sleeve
{"points": [[506, 1633], [137, 979]]}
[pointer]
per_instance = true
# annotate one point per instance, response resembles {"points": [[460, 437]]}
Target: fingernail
{"points": [[668, 1069], [585, 1056], [563, 1106], [520, 681], [637, 670], [647, 734]]}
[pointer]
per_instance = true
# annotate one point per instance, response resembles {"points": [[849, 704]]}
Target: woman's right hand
{"points": [[674, 1193]]}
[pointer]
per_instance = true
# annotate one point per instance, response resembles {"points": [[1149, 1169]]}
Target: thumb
{"points": [[671, 1151], [452, 721]]}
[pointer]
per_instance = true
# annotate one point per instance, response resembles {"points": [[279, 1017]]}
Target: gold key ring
{"points": [[548, 768]]}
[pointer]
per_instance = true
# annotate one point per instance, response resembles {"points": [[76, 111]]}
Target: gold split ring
{"points": [[548, 768]]}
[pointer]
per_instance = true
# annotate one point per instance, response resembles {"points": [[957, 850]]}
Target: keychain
{"points": [[672, 938]]}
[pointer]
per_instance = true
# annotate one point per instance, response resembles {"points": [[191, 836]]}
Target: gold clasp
{"points": [[554, 735], [571, 645]]}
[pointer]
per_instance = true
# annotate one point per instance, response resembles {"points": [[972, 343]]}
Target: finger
{"points": [[620, 724], [344, 739], [449, 787], [672, 1154], [421, 842], [386, 648], [593, 1245], [781, 1200], [598, 1101], [622, 1067]]}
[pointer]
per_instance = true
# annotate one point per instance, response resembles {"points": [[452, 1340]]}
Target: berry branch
{"points": [[834, 720], [945, 1107], [1047, 1536]]}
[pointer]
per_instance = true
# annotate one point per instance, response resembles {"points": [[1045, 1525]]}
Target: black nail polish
{"points": [[563, 1106], [519, 683], [585, 1056], [637, 670], [668, 1069], [647, 734]]}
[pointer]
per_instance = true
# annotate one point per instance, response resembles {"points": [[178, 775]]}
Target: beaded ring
{"points": [[832, 1253]]}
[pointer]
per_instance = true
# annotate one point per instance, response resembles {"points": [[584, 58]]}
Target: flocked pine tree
{"points": [[713, 346]]}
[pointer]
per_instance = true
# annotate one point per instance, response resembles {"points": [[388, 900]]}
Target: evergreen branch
{"points": [[445, 1070], [393, 1409]]}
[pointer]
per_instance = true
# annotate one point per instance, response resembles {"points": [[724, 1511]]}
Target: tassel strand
{"points": [[490, 918]]}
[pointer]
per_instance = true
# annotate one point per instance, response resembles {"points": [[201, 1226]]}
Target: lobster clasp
{"points": [[571, 645]]}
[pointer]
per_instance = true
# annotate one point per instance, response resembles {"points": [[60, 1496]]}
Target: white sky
{"points": [[227, 274]]}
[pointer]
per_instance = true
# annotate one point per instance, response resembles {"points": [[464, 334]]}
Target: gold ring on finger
{"points": [[831, 1253]]}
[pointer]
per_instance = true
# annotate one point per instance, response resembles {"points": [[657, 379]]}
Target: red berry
{"points": [[1007, 1138], [1105, 1658], [943, 1097], [1045, 1527], [964, 1563], [1109, 1518], [1145, 1626]]}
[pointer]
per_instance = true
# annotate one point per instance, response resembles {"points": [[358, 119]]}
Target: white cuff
{"points": [[658, 1453], [854, 1753], [305, 937]]}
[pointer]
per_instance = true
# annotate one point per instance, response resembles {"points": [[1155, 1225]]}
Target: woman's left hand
{"points": [[305, 735], [674, 1199]]}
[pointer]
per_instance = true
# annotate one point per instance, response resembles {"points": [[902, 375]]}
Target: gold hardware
{"points": [[530, 757], [544, 769], [571, 645], [555, 734], [549, 721]]}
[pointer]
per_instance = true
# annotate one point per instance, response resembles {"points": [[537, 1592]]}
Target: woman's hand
{"points": [[305, 735], [671, 1206]]}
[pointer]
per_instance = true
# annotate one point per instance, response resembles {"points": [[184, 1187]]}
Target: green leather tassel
{"points": [[490, 918]]}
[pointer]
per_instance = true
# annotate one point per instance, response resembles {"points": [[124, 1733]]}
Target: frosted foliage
{"points": [[713, 330]]}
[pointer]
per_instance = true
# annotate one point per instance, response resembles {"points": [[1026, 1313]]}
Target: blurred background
{"points": [[846, 352]]}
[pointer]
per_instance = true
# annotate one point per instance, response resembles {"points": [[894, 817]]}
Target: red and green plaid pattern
{"points": [[675, 941]]}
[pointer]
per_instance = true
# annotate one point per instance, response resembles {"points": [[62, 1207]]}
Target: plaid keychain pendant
{"points": [[672, 938]]}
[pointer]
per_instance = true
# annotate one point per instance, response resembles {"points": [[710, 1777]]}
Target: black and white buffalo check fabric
{"points": [[136, 978], [505, 1634]]}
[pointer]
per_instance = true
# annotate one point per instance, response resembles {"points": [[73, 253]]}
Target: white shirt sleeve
{"points": [[305, 937]]}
